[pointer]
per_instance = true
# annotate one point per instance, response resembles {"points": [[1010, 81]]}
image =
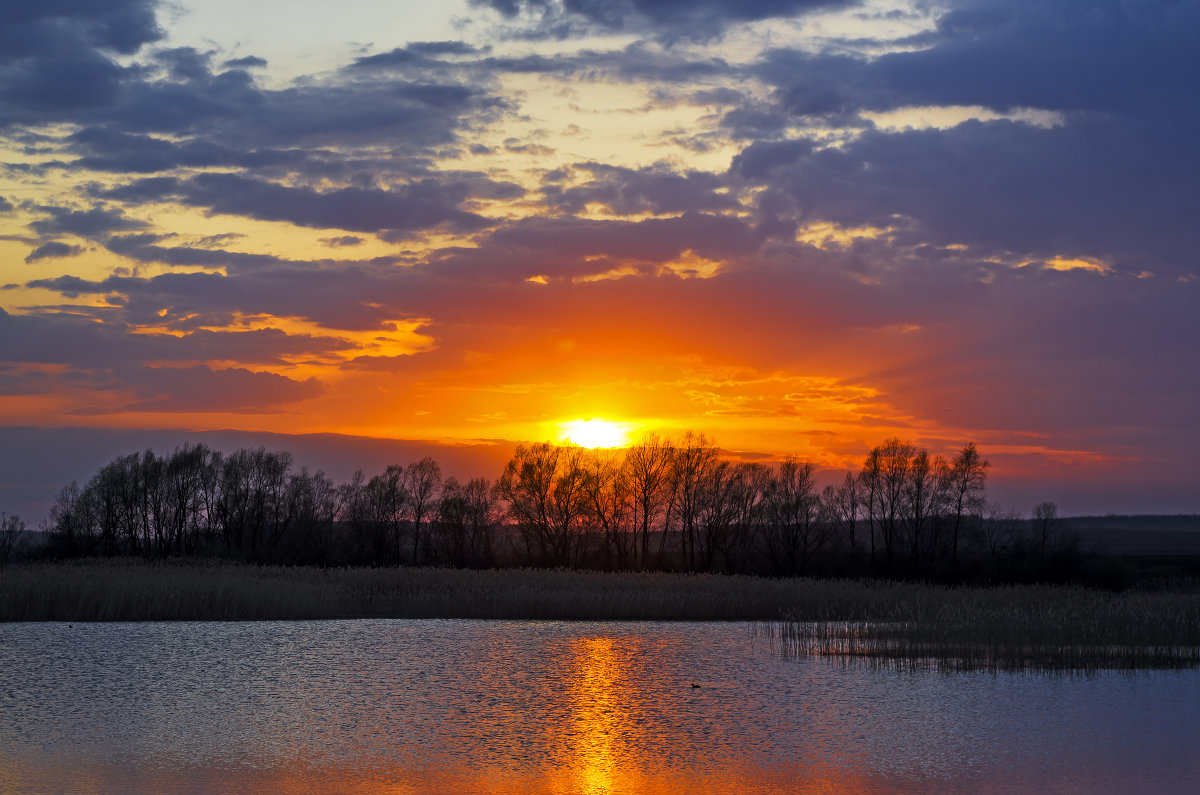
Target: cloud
{"points": [[570, 248], [666, 19], [120, 26], [101, 362], [1111, 179], [56, 57], [53, 250], [73, 337], [417, 53], [343, 241], [107, 149], [202, 390], [421, 205], [247, 62], [1089, 188], [625, 191], [96, 223]]}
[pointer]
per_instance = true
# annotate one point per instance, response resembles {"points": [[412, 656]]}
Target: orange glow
{"points": [[595, 433]]}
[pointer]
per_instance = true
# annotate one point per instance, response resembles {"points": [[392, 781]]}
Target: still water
{"points": [[508, 707]]}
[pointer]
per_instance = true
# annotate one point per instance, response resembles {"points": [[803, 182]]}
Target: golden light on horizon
{"points": [[595, 432]]}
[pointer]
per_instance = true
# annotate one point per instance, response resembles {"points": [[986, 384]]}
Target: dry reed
{"points": [[131, 590], [1010, 628], [1006, 628]]}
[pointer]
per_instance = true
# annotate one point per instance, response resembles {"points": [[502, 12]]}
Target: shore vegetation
{"points": [[883, 622]]}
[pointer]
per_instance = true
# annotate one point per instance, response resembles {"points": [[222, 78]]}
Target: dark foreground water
{"points": [[474, 706]]}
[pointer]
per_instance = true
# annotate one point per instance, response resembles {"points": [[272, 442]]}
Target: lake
{"points": [[514, 706]]}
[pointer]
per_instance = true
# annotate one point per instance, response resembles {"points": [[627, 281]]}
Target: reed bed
{"points": [[131, 590], [914, 625], [1011, 629]]}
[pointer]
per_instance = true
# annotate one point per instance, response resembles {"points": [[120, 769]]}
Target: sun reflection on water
{"points": [[596, 716]]}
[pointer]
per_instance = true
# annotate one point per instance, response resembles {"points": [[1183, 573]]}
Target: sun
{"points": [[595, 433]]}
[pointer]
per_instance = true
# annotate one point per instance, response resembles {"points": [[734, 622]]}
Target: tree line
{"points": [[661, 504]]}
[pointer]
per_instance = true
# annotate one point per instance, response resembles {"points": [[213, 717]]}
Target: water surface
{"points": [[476, 706]]}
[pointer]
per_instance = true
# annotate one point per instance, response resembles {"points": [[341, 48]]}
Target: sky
{"points": [[797, 226]]}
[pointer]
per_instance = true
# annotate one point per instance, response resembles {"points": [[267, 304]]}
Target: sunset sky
{"points": [[797, 226]]}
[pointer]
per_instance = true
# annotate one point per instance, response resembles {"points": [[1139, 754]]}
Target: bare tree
{"points": [[607, 506], [387, 501], [422, 480], [923, 502], [648, 472], [693, 463], [545, 487], [313, 510], [747, 495], [716, 514], [870, 481], [1000, 531], [353, 510], [183, 498], [1045, 525], [966, 478], [792, 531], [11, 530], [465, 519], [72, 525], [887, 471], [841, 507]]}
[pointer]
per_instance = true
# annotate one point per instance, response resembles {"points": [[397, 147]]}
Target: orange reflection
{"points": [[597, 711]]}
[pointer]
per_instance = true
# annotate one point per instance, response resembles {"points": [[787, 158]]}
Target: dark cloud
{"points": [[145, 248], [203, 390], [1058, 54], [1067, 55], [417, 53], [6, 206], [343, 240], [56, 56], [33, 26], [421, 205], [53, 250], [624, 191], [1088, 188], [666, 19], [106, 149], [72, 337], [340, 296], [104, 356], [574, 247], [1112, 177], [176, 109], [635, 62], [98, 222], [446, 48], [248, 62]]}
